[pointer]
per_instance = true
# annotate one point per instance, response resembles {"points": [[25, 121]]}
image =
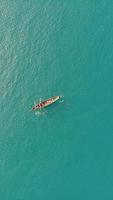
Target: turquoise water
{"points": [[52, 48]]}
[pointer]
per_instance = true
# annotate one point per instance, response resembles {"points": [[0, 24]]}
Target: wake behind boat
{"points": [[46, 103]]}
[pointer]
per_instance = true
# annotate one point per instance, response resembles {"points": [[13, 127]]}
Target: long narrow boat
{"points": [[46, 103]]}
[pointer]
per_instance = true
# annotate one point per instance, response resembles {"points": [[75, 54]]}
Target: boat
{"points": [[46, 103]]}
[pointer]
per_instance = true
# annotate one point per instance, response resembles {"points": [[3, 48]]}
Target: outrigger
{"points": [[46, 103]]}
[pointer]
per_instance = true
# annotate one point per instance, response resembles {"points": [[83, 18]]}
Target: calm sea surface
{"points": [[52, 48]]}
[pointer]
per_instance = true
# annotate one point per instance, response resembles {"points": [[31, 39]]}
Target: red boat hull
{"points": [[46, 103]]}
